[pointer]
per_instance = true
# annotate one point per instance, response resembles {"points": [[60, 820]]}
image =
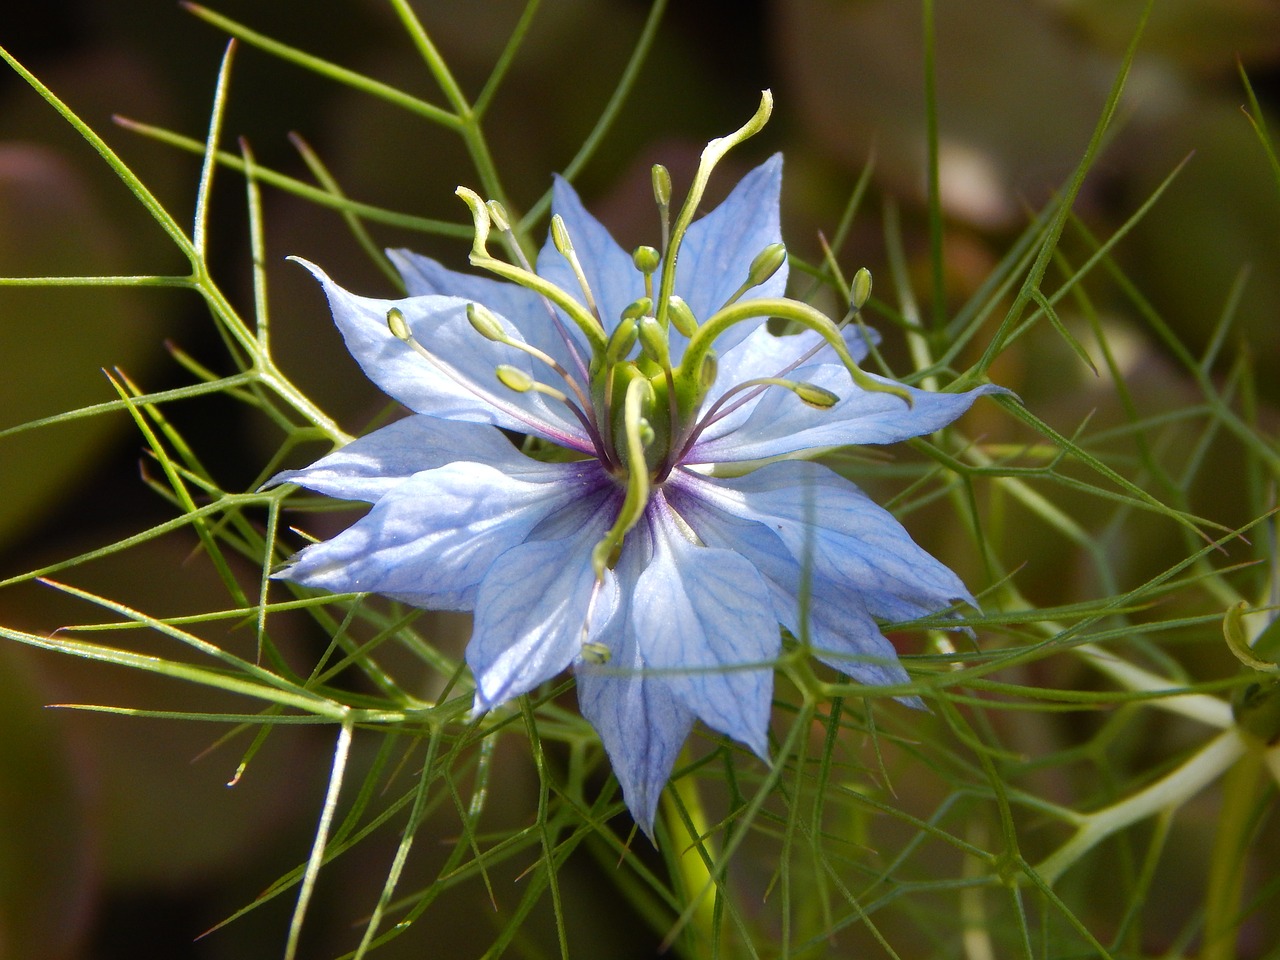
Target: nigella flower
{"points": [[608, 541]]}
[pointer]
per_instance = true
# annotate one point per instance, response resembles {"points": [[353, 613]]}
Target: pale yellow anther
{"points": [[661, 177], [399, 326], [653, 340], [560, 235], [709, 371], [681, 316], [498, 213], [486, 323], [767, 262], [514, 378], [622, 339], [860, 289], [814, 395]]}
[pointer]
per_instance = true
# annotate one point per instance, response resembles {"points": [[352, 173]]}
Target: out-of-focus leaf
{"points": [[1220, 217], [47, 841], [1017, 96], [55, 341], [1198, 34], [168, 815]]}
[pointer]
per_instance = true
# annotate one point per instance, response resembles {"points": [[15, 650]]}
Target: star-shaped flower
{"points": [[609, 542]]}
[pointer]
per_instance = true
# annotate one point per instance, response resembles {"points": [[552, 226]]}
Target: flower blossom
{"points": [[611, 540]]}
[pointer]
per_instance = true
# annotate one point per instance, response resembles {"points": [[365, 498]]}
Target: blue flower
{"points": [[609, 542]]}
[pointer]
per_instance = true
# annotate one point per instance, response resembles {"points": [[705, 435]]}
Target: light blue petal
{"points": [[844, 636], [371, 466], [762, 354], [431, 540], [614, 281], [781, 423], [704, 618], [426, 277], [641, 722], [715, 258], [832, 528], [840, 630], [460, 383], [520, 305], [535, 609]]}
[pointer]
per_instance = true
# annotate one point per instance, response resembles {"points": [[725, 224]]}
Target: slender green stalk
{"points": [[204, 186], [609, 115], [937, 261], [341, 752], [1059, 221], [467, 119], [1236, 822], [313, 64], [118, 166], [1169, 792]]}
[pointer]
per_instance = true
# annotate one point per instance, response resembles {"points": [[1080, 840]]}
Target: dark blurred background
{"points": [[117, 836]]}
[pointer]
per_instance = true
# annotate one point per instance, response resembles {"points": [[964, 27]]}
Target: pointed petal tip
{"points": [[284, 476], [562, 189], [285, 570], [486, 700], [759, 745], [319, 274], [479, 706], [646, 827], [315, 270]]}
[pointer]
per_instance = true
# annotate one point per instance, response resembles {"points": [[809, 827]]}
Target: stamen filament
{"points": [[809, 393], [760, 386], [787, 309], [700, 346], [546, 358], [480, 257], [516, 379], [513, 378], [570, 344], [400, 329], [564, 244], [766, 263]]}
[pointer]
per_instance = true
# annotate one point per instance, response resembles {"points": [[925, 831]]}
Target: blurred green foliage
{"points": [[112, 819]]}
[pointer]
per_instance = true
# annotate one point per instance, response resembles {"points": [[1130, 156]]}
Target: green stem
{"points": [[469, 120], [938, 274], [341, 751], [1230, 846], [1169, 792], [325, 68], [694, 851]]}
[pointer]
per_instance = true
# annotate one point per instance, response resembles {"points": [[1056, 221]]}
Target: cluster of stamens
{"points": [[641, 408]]}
